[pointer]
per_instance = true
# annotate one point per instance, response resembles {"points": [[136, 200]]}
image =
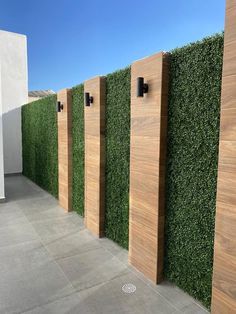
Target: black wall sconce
{"points": [[88, 99], [59, 106], [142, 88]]}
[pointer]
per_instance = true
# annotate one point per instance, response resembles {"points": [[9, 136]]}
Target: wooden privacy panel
{"points": [[224, 268], [65, 149], [147, 166], [94, 124]]}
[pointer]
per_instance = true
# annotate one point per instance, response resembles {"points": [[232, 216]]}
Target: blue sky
{"points": [[70, 41]]}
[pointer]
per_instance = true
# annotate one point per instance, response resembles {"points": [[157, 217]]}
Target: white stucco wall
{"points": [[14, 93], [2, 189]]}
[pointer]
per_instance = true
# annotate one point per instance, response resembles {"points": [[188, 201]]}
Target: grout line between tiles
{"points": [[128, 267], [53, 259]]}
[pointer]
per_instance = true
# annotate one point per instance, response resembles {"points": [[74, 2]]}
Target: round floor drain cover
{"points": [[129, 288]]}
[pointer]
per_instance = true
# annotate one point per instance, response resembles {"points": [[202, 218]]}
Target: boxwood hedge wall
{"points": [[117, 136], [78, 149], [193, 135], [39, 143]]}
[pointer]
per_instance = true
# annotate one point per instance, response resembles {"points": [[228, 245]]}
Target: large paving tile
{"points": [[18, 187], [181, 300], [69, 304], [9, 207], [173, 294], [194, 308], [17, 233], [71, 244], [23, 257], [11, 215], [51, 264], [115, 250], [58, 226], [20, 291], [34, 215], [108, 297], [91, 268], [32, 206]]}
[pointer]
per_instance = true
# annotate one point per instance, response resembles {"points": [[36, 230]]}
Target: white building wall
{"points": [[2, 189], [14, 93]]}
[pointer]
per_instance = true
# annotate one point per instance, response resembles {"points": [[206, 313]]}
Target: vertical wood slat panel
{"points": [[224, 267], [94, 126], [64, 120], [147, 166]]}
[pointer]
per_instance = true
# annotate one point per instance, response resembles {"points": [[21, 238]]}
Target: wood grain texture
{"points": [[224, 268], [64, 120], [147, 166], [94, 124]]}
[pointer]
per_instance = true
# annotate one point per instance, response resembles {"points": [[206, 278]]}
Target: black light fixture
{"points": [[142, 88], [59, 106], [88, 99]]}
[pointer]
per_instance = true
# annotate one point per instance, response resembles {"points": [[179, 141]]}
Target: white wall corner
{"points": [[13, 54], [2, 187]]}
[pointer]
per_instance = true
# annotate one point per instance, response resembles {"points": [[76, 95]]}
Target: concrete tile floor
{"points": [[49, 263]]}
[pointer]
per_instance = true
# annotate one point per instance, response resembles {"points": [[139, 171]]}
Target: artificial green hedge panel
{"points": [[39, 143], [78, 149], [117, 136], [193, 135]]}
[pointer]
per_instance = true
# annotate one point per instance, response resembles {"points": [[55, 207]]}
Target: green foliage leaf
{"points": [[193, 138], [78, 149], [39, 143], [117, 137]]}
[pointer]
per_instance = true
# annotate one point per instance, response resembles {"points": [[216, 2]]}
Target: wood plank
{"points": [[228, 124], [226, 184], [229, 95], [227, 152], [147, 166], [64, 120], [94, 120], [224, 268]]}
